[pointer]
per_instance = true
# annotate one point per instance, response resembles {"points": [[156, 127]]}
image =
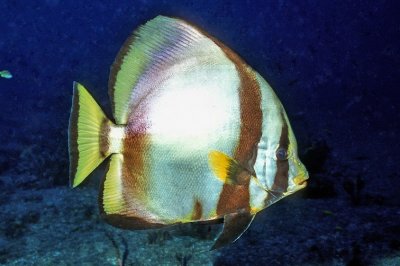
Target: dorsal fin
{"points": [[147, 57]]}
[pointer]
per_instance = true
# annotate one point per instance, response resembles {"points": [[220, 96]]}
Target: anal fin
{"points": [[235, 224], [119, 206], [112, 200]]}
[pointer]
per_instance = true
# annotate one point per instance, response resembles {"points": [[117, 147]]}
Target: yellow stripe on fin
{"points": [[86, 141], [113, 201], [227, 169]]}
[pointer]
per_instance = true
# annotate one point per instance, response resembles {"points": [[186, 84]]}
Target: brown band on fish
{"points": [[73, 136], [134, 148], [280, 184], [197, 211], [104, 141], [134, 175], [282, 172], [233, 197]]}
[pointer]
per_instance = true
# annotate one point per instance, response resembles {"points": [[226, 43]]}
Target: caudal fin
{"points": [[88, 135]]}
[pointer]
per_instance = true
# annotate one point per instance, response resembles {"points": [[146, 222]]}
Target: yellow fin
{"points": [[112, 200], [225, 168], [86, 125]]}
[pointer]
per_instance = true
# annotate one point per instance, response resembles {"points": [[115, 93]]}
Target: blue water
{"points": [[335, 65]]}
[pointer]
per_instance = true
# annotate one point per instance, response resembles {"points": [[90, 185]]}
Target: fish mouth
{"points": [[301, 180], [303, 183]]}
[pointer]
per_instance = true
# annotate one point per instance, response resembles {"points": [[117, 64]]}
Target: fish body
{"points": [[197, 135], [5, 74]]}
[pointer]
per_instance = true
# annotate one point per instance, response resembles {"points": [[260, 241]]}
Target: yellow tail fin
{"points": [[87, 135]]}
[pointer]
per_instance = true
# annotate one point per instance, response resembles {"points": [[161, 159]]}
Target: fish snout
{"points": [[301, 179]]}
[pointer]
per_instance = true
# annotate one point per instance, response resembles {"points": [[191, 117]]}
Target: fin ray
{"points": [[235, 224], [227, 169], [84, 133], [112, 199], [118, 205], [149, 54]]}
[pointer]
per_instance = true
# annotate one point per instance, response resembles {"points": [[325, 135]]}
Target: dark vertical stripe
{"points": [[134, 172], [104, 141], [233, 197], [282, 172], [280, 184], [73, 136], [197, 211]]}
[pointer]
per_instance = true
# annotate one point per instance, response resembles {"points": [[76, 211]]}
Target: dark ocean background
{"points": [[335, 65]]}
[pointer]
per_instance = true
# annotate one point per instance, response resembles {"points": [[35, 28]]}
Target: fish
{"points": [[197, 135], [5, 74]]}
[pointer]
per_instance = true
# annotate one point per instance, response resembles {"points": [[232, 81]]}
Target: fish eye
{"points": [[281, 154]]}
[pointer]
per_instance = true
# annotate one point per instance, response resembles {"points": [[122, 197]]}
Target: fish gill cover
{"points": [[335, 67]]}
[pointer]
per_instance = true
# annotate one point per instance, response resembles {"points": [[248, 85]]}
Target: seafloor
{"points": [[335, 66]]}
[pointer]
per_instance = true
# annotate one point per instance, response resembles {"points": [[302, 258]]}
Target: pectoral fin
{"points": [[227, 169], [234, 226]]}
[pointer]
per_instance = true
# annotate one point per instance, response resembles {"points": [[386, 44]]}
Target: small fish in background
{"points": [[5, 74], [197, 135]]}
